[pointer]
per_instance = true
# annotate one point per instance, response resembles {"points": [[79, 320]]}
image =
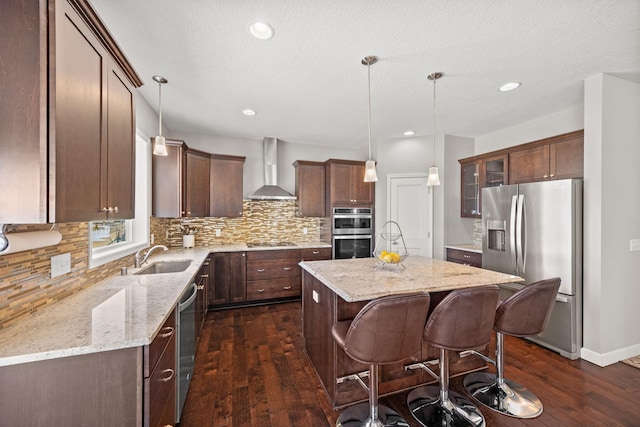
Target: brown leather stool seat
{"points": [[386, 330], [462, 321], [524, 314]]}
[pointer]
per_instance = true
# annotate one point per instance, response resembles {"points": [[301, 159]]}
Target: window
{"points": [[111, 240]]}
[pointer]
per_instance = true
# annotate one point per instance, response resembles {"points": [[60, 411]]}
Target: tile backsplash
{"points": [[25, 277]]}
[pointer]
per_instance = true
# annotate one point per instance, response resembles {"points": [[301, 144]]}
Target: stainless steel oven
{"points": [[352, 230]]}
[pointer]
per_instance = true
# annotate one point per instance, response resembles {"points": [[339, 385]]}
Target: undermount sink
{"points": [[160, 267]]}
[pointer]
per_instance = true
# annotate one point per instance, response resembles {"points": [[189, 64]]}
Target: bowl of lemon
{"points": [[391, 259]]}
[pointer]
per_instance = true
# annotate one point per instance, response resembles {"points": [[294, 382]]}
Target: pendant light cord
{"points": [[369, 91], [434, 121], [160, 108]]}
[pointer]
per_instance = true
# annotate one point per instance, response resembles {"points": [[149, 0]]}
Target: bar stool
{"points": [[386, 330], [462, 321], [523, 314]]}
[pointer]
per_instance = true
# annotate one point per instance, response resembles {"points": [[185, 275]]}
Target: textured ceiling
{"points": [[307, 83]]}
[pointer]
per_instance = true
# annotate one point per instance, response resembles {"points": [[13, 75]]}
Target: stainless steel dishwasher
{"points": [[186, 348]]}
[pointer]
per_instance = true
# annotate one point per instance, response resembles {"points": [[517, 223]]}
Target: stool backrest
{"points": [[527, 312], [464, 319], [388, 329]]}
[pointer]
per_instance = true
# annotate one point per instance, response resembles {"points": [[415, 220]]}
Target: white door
{"points": [[410, 204]]}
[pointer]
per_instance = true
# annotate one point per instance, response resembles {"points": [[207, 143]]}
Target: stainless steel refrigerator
{"points": [[534, 230]]}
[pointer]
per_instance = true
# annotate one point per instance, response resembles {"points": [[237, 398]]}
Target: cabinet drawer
{"points": [[273, 269], [292, 254], [473, 259], [160, 386], [313, 254], [270, 289], [153, 351]]}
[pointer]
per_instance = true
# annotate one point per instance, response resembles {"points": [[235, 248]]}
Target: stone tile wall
{"points": [[26, 285]]}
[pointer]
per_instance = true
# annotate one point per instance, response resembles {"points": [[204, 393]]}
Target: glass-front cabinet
{"points": [[470, 189], [478, 173]]}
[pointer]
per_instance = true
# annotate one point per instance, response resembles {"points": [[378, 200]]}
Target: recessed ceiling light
{"points": [[248, 112], [509, 86], [261, 30], [409, 133]]}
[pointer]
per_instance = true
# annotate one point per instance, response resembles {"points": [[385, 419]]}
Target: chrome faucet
{"points": [[141, 260]]}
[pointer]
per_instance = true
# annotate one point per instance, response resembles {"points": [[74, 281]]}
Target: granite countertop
{"points": [[115, 313], [470, 247], [359, 280]]}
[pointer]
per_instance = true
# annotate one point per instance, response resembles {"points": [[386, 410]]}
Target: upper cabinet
{"points": [[68, 147], [478, 173], [226, 185], [558, 157], [180, 182], [310, 192], [345, 184]]}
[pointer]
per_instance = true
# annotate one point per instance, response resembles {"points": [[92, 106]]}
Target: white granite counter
{"points": [[359, 280], [118, 312], [466, 247]]}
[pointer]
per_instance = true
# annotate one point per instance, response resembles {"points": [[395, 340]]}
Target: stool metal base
{"points": [[429, 410], [358, 416], [509, 398]]}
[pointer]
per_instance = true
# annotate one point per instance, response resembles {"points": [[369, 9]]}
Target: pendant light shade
{"points": [[434, 178], [159, 145], [370, 174]]}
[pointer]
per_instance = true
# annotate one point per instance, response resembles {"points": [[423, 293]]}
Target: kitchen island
{"points": [[336, 290]]}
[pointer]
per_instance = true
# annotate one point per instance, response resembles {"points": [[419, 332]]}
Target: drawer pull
{"points": [[467, 256], [260, 270], [287, 268], [168, 377], [204, 275], [168, 333], [286, 288], [260, 290]]}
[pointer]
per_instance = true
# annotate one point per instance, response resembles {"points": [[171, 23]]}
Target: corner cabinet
{"points": [[71, 142], [226, 185], [180, 182], [478, 173], [310, 188], [345, 184]]}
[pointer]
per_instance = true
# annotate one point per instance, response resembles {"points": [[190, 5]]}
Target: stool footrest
{"points": [[477, 353], [424, 366], [355, 377]]}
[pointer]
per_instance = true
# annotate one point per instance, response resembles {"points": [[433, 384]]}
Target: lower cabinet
{"points": [[229, 278], [315, 254], [160, 377], [459, 256], [127, 387], [202, 300], [273, 275]]}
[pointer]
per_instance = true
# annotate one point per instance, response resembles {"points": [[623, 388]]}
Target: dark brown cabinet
{"points": [[226, 185], [76, 126], [180, 182], [315, 254], [310, 188], [552, 158], [345, 184], [229, 278], [273, 274], [479, 173], [459, 256]]}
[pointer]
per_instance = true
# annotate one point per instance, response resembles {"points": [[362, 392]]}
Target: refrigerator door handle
{"points": [[512, 233], [521, 236]]}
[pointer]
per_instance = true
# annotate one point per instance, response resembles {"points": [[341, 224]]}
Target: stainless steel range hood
{"points": [[271, 191]]}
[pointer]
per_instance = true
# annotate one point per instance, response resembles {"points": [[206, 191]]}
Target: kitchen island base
{"points": [[321, 308]]}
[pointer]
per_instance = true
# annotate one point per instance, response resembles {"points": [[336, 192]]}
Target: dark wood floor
{"points": [[251, 370]]}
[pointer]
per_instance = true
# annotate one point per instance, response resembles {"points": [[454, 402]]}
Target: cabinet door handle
{"points": [[109, 209], [286, 288], [545, 176], [315, 252], [286, 268], [260, 270], [467, 256], [116, 210], [552, 175], [204, 276], [201, 287], [260, 290], [168, 332], [168, 377]]}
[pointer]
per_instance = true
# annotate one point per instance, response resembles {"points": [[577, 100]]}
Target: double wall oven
{"points": [[352, 232]]}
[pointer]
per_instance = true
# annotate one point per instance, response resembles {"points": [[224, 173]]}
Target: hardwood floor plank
{"points": [[251, 370]]}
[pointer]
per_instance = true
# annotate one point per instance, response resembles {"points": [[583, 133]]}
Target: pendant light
{"points": [[434, 178], [159, 146], [370, 174]]}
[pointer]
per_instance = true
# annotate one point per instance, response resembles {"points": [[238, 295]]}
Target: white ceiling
{"points": [[307, 83]]}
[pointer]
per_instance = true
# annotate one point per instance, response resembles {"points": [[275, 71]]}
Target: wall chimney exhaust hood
{"points": [[271, 191]]}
